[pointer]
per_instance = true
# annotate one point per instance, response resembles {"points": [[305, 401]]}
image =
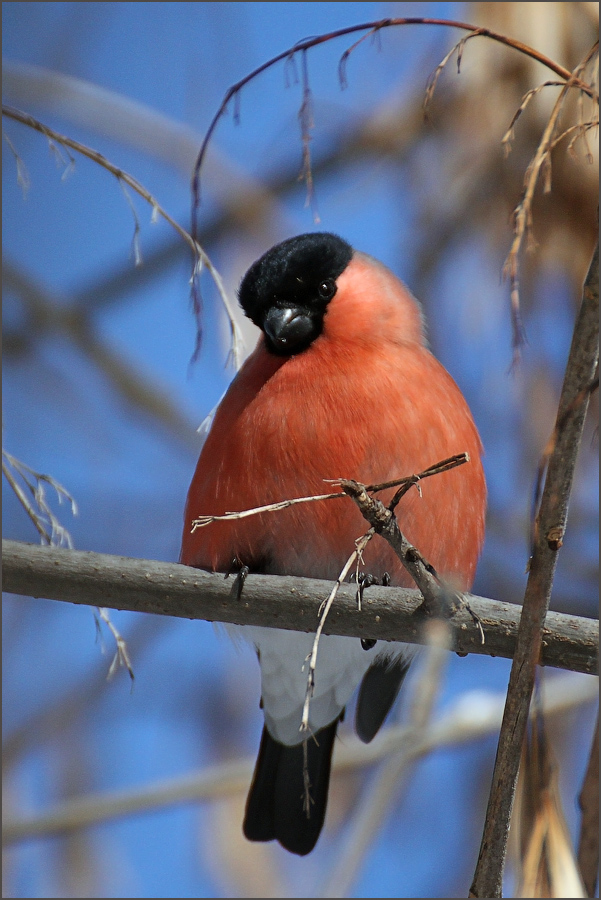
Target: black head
{"points": [[286, 292]]}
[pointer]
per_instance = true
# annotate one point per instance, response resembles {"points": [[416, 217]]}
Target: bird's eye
{"points": [[327, 289]]}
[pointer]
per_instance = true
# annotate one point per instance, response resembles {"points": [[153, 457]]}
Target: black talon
{"points": [[234, 566], [386, 579], [239, 582], [364, 581], [242, 571]]}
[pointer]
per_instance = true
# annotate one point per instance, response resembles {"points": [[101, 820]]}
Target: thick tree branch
{"points": [[549, 532], [389, 613]]}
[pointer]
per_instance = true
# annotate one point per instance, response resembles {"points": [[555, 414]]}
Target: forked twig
{"points": [[407, 481], [433, 80], [121, 657], [46, 524], [360, 545], [523, 211], [510, 133], [202, 521], [371, 28]]}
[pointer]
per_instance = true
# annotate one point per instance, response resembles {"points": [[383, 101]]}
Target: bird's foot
{"points": [[241, 571], [366, 580]]}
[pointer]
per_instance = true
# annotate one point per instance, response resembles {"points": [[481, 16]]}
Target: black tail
{"points": [[379, 688], [278, 807]]}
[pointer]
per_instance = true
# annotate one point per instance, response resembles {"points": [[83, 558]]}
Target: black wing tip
{"points": [[276, 808], [379, 689], [299, 843]]}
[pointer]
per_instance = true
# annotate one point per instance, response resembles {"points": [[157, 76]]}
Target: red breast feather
{"points": [[367, 401]]}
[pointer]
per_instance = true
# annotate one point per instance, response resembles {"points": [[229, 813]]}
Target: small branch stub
{"points": [[555, 538]]}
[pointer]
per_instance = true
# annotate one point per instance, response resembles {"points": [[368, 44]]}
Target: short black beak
{"points": [[289, 329]]}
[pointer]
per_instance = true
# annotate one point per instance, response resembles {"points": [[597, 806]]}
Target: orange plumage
{"points": [[363, 399]]}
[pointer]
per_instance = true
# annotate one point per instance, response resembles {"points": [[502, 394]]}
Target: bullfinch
{"points": [[341, 384]]}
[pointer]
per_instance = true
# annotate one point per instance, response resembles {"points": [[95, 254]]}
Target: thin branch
{"points": [[433, 81], [202, 260], [342, 63], [377, 799], [510, 133], [357, 557], [353, 29], [388, 613], [464, 721], [135, 243], [202, 521], [382, 520], [407, 481], [324, 609], [588, 844], [579, 132], [121, 657], [523, 211], [307, 124], [573, 407], [552, 518], [22, 174], [358, 492], [46, 523], [23, 500]]}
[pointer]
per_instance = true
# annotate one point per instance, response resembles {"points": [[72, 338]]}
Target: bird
{"points": [[340, 384]]}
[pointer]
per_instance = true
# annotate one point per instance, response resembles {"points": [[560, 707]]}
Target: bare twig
{"points": [[121, 657], [304, 113], [510, 133], [202, 521], [47, 525], [588, 844], [523, 211], [370, 27], [22, 174], [376, 801], [201, 258], [383, 521], [406, 482], [307, 124], [53, 533], [324, 609], [579, 132], [552, 518], [347, 53], [433, 81], [409, 556]]}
